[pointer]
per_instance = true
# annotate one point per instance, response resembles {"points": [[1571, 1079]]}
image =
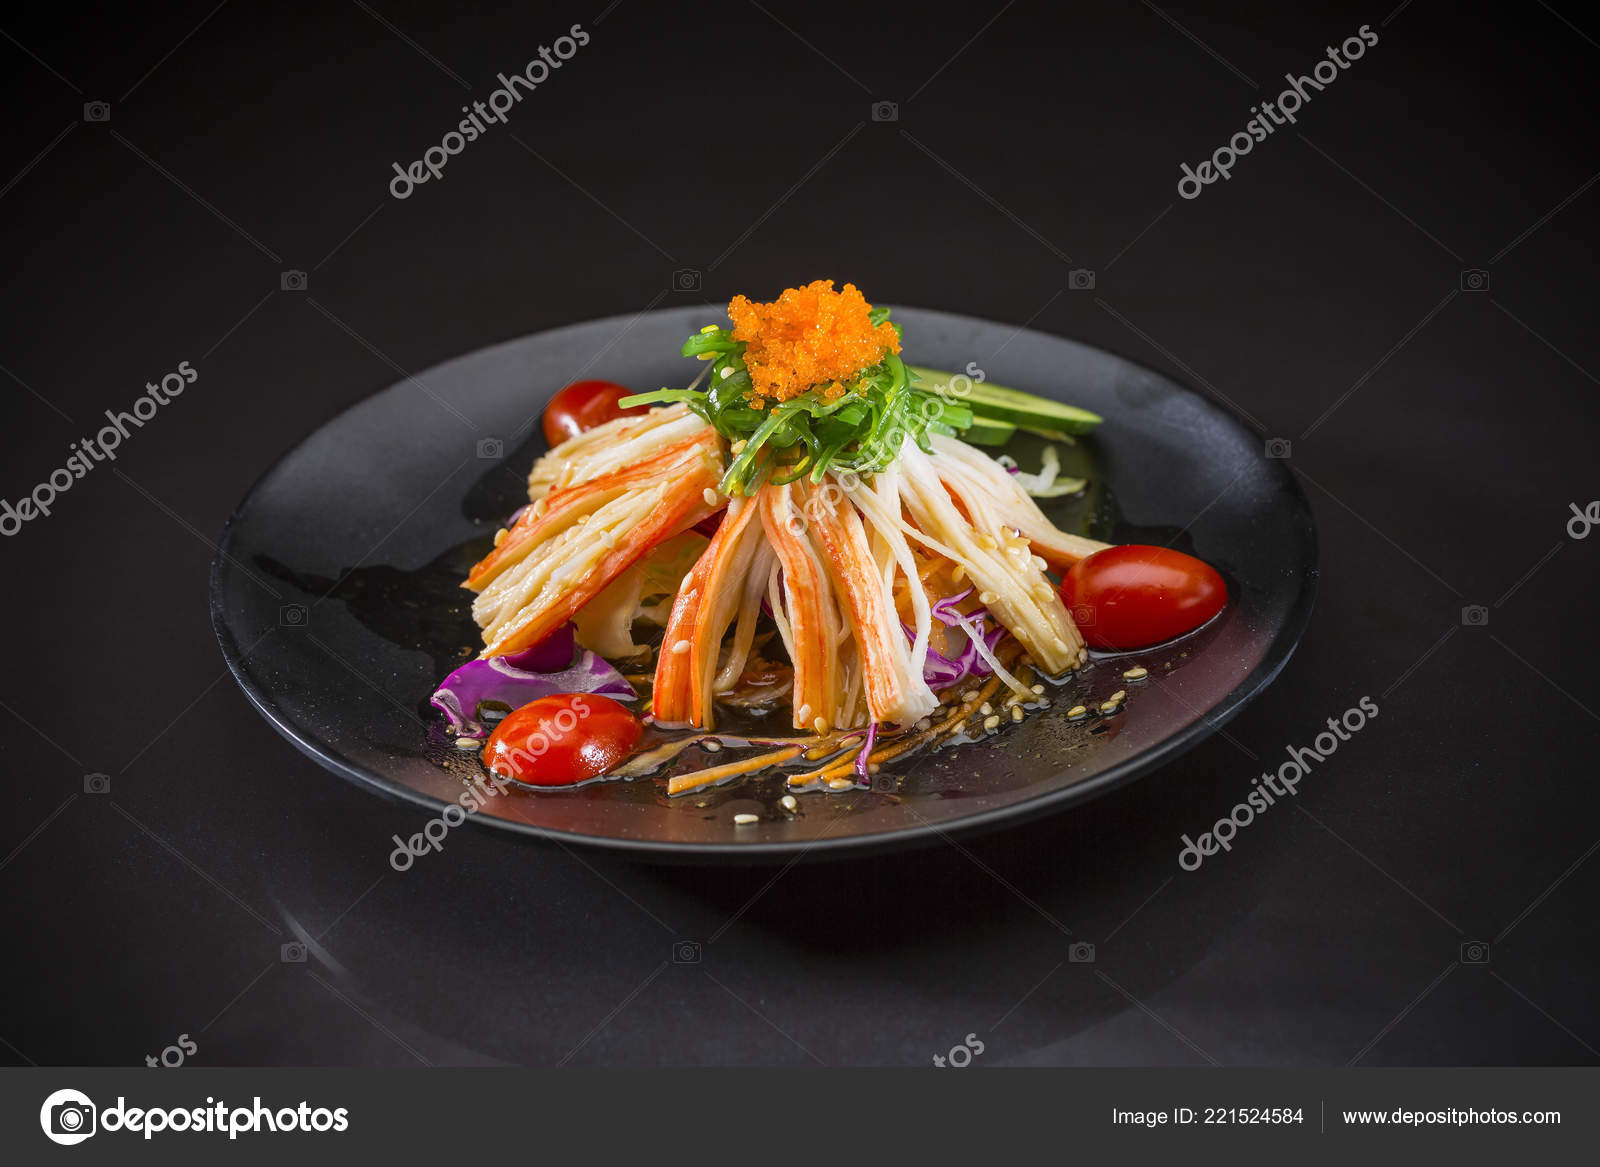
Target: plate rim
{"points": [[1280, 650]]}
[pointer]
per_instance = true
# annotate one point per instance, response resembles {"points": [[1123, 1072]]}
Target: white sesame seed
{"points": [[710, 496], [1076, 712], [467, 743], [986, 709], [985, 598], [681, 647], [1119, 695], [745, 820], [710, 328], [1137, 673], [803, 714], [923, 724], [970, 695], [500, 536], [727, 371], [992, 722], [788, 802], [840, 783], [1016, 713], [1038, 690], [820, 724], [711, 745]]}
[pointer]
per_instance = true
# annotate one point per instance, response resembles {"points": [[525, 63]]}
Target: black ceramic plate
{"points": [[335, 595]]}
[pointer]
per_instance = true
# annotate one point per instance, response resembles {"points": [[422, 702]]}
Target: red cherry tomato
{"points": [[557, 741], [583, 405], [1134, 596]]}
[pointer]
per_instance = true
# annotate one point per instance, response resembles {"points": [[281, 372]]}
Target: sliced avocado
{"points": [[986, 431], [998, 403]]}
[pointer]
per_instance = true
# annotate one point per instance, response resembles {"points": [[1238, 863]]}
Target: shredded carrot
{"points": [[683, 783], [808, 336], [900, 745]]}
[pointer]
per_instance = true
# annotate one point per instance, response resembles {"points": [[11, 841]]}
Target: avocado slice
{"points": [[993, 402], [986, 431]]}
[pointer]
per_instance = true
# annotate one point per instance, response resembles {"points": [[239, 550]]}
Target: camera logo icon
{"points": [[491, 449], [292, 953], [1474, 279], [67, 1117], [292, 281], [1080, 279], [292, 616], [1475, 616], [97, 111], [686, 952], [1278, 447], [1083, 615], [1081, 953], [1475, 952], [686, 279], [885, 111], [97, 783]]}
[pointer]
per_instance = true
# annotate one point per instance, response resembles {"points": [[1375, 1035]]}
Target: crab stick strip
{"points": [[895, 689], [563, 507], [706, 604], [809, 608], [557, 577], [992, 499]]}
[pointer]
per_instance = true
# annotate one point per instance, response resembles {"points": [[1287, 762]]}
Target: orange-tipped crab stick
{"points": [[894, 692], [811, 619], [704, 607], [562, 507], [683, 490]]}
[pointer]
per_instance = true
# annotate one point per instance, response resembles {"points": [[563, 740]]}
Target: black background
{"points": [[738, 141]]}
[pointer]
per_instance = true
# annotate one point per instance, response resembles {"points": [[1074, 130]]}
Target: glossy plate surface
{"points": [[336, 601]]}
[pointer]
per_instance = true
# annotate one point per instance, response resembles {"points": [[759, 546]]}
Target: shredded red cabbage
{"points": [[550, 655], [940, 671], [866, 748], [545, 670]]}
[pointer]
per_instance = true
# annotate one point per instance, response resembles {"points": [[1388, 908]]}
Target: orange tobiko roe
{"points": [[808, 336]]}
